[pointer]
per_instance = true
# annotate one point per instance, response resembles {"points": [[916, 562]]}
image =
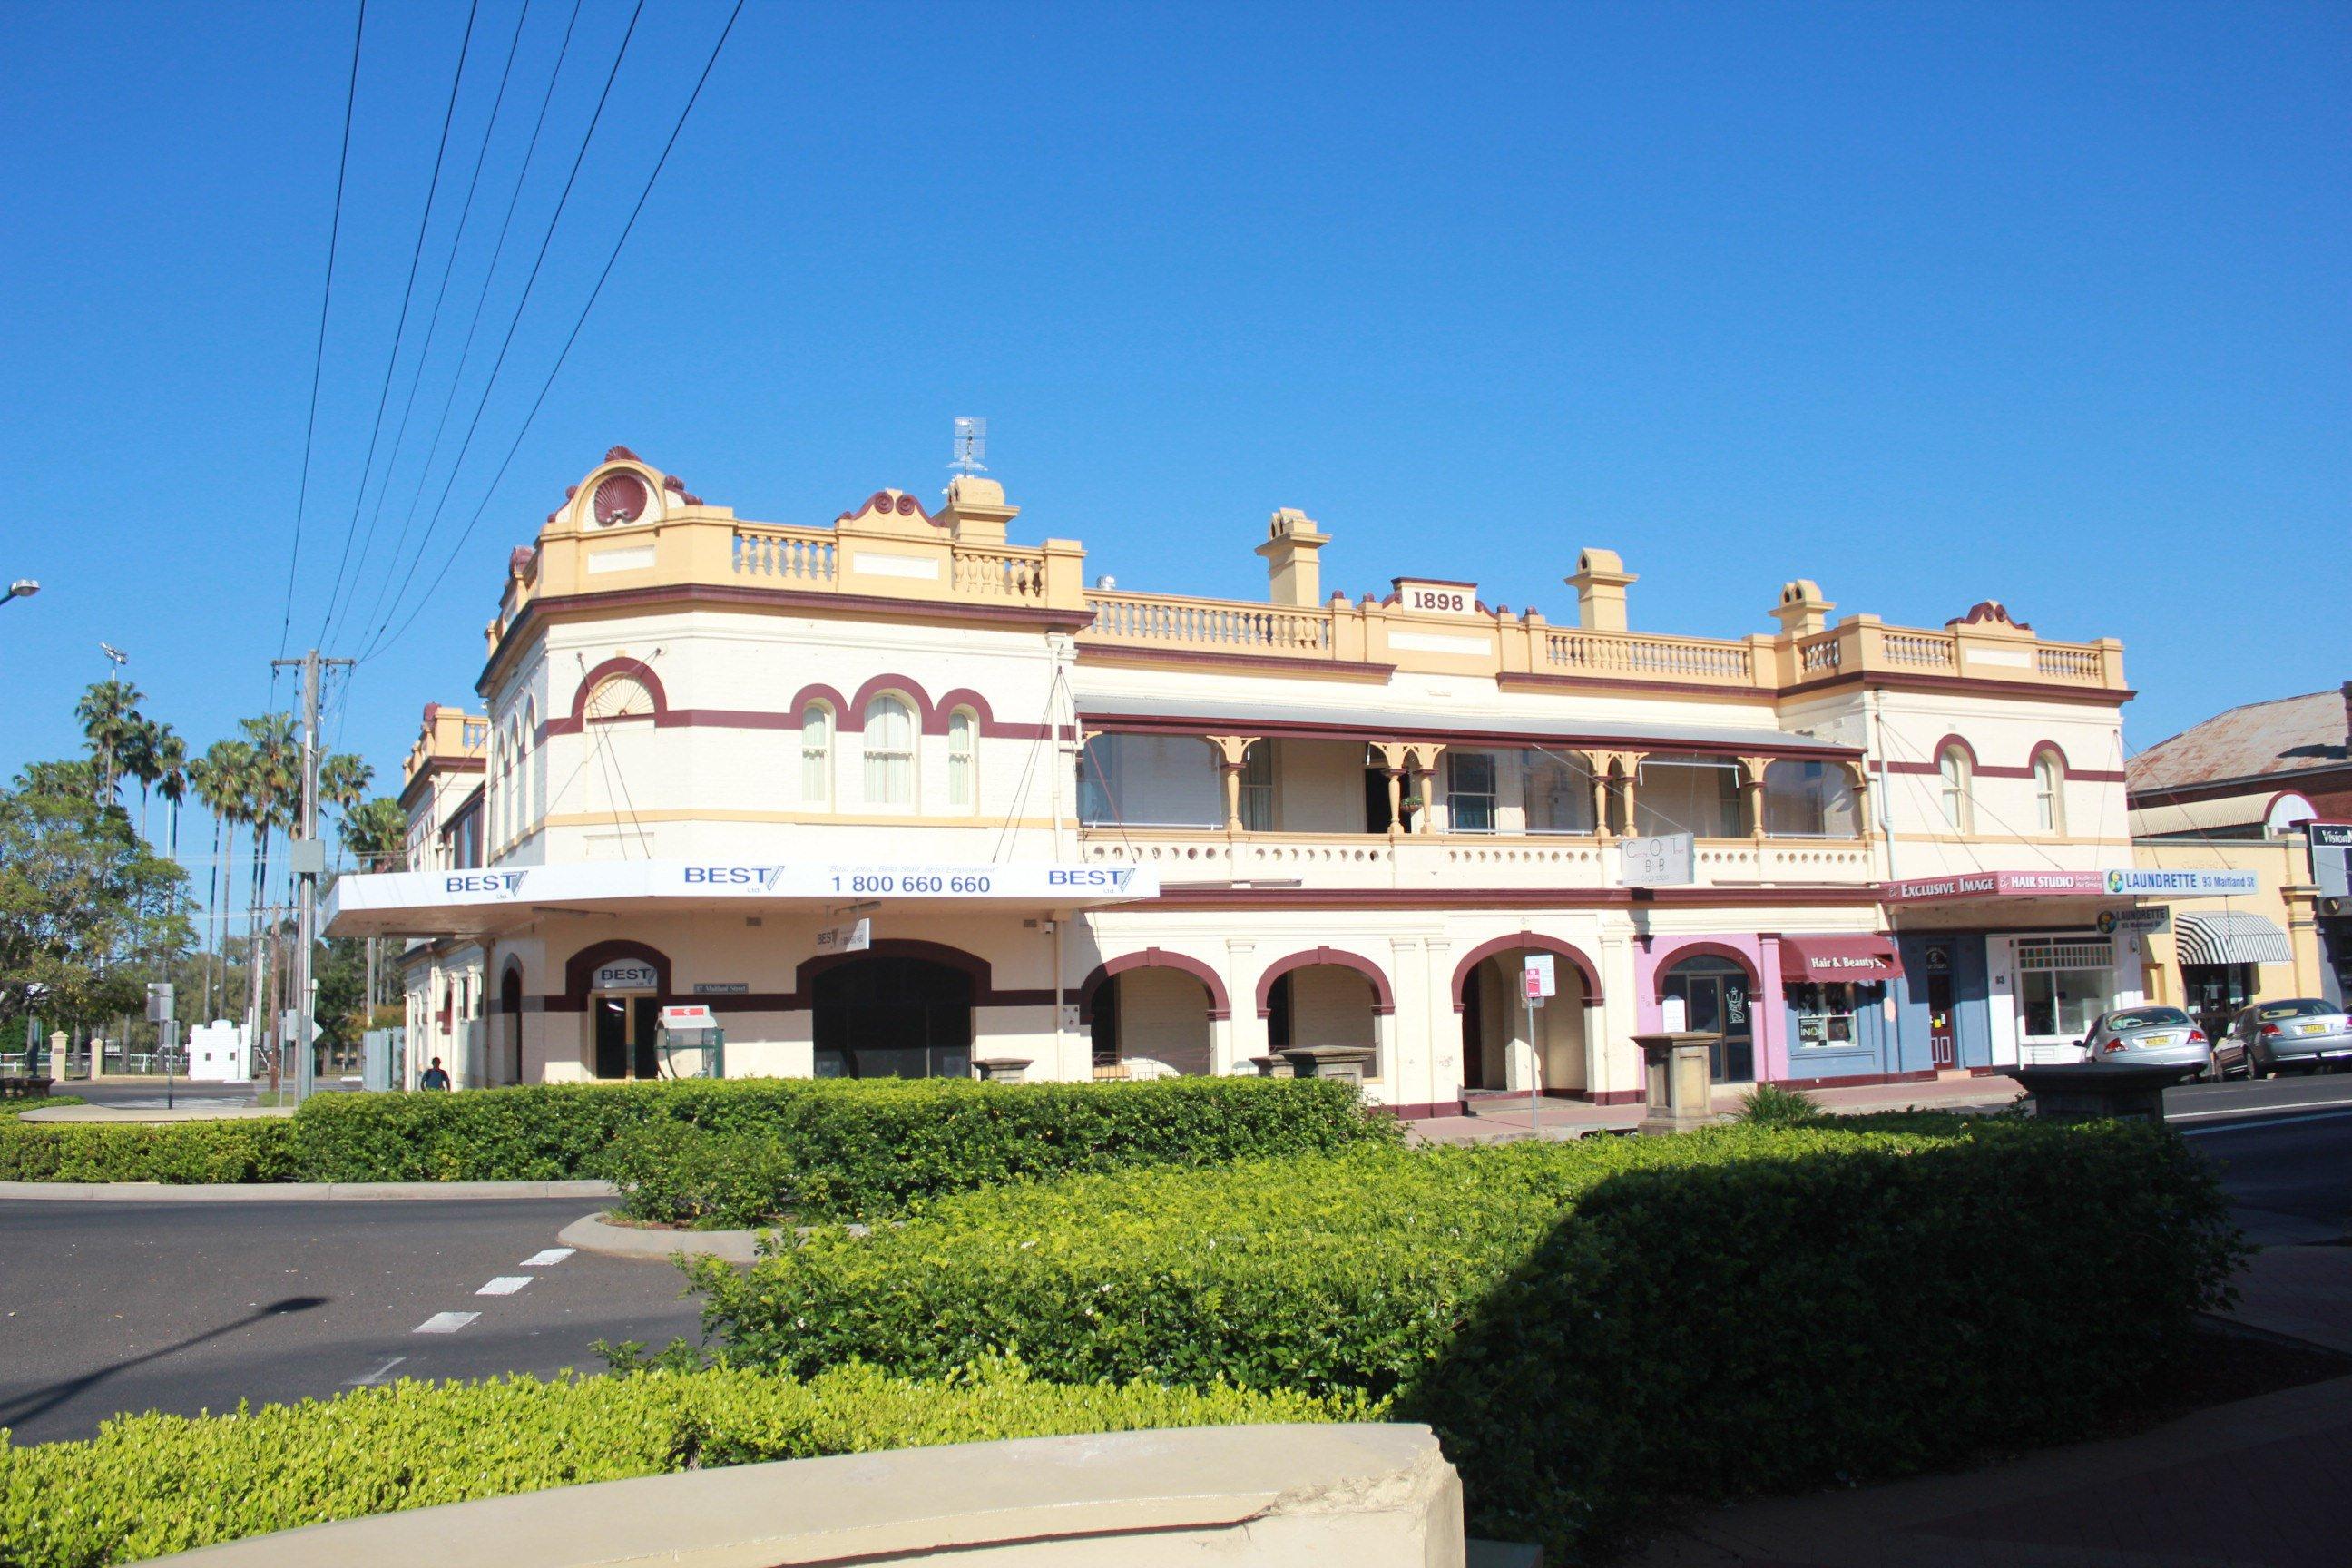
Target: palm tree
{"points": [[272, 790], [109, 713], [375, 835], [343, 781], [170, 758], [216, 777]]}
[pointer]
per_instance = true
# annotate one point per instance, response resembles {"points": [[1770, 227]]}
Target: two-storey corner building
{"points": [[442, 792], [1107, 832]]}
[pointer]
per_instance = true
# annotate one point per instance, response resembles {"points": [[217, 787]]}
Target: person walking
{"points": [[433, 1077]]}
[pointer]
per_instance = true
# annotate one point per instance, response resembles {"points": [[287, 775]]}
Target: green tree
{"points": [[85, 907], [109, 716], [375, 834]]}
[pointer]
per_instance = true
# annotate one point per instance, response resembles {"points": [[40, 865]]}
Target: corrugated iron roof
{"points": [[2287, 734]]}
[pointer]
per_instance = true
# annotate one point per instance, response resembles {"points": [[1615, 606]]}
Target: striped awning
{"points": [[2226, 937]]}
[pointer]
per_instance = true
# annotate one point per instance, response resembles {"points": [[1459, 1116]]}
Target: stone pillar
{"points": [[60, 1044], [1233, 758], [1751, 798], [1424, 773]]}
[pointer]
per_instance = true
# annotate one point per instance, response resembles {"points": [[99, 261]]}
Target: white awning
{"points": [[495, 899], [2228, 937]]}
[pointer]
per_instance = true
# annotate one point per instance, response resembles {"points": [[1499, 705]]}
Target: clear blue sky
{"points": [[2043, 303]]}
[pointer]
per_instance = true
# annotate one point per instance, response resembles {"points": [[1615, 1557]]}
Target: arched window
{"points": [[534, 765], [964, 759], [889, 752], [1960, 812], [816, 755], [2050, 793]]}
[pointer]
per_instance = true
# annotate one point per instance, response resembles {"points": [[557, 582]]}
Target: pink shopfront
{"points": [[1797, 1008]]}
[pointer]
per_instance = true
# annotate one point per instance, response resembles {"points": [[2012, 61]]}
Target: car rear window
{"points": [[2145, 1019], [2304, 1007]]}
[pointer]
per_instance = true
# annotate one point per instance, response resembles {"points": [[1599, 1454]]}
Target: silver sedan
{"points": [[2148, 1036], [2300, 1032]]}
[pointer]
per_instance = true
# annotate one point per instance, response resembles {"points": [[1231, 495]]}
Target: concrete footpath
{"points": [[2260, 1483], [1503, 1118]]}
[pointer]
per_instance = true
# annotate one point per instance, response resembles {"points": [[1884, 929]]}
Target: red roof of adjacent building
{"points": [[2258, 740]]}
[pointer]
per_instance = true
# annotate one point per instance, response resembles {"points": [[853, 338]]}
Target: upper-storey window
{"points": [[1149, 780], [964, 759], [891, 750], [1559, 790], [1809, 799], [1687, 795], [1955, 770], [2050, 794], [816, 755], [1258, 787], [1470, 792]]}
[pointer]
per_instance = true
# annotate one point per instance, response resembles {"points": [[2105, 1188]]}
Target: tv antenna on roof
{"points": [[971, 444]]}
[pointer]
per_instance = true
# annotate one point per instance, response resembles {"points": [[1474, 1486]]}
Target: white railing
{"points": [[1209, 624], [1642, 654], [999, 573], [796, 555], [1921, 650], [2083, 664]]}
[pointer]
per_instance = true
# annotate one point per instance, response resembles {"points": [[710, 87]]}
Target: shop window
{"points": [[891, 751], [816, 755], [1955, 770], [964, 759], [1470, 792], [1258, 787], [1149, 780], [1692, 794], [1557, 792], [2064, 985], [2049, 793], [1809, 799], [1827, 1011]]}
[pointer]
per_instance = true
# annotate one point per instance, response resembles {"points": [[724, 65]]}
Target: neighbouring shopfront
{"points": [[1837, 1006]]}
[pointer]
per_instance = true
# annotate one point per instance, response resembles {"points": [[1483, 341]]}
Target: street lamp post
{"points": [[22, 588]]}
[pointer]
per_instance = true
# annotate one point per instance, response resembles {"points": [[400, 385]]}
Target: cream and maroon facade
{"points": [[1353, 817]]}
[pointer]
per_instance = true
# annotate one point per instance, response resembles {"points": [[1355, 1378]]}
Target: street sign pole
{"points": [[1537, 980]]}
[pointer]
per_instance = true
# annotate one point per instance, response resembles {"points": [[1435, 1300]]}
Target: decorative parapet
{"points": [[627, 526], [1526, 648]]}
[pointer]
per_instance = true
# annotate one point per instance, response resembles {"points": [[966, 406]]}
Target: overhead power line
{"points": [[400, 328], [457, 464], [571, 338], [440, 298], [481, 299], [318, 356]]}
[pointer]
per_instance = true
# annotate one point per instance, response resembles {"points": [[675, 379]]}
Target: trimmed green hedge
{"points": [[257, 1150], [846, 1148], [1595, 1327], [149, 1485]]}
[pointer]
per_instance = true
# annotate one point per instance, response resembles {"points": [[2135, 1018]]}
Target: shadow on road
{"points": [[40, 1400]]}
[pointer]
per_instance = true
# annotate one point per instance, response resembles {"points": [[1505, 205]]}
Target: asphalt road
{"points": [[186, 1307], [190, 1306]]}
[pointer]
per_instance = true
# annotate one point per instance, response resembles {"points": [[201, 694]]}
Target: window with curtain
{"points": [[1258, 787], [1470, 792], [964, 759], [1960, 812], [891, 751], [816, 755], [2049, 793], [1558, 791], [1809, 799], [1687, 795]]}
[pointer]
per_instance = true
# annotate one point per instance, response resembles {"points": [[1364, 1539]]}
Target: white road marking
{"points": [[378, 1375], [2242, 1120], [445, 1322], [550, 1256], [504, 1285]]}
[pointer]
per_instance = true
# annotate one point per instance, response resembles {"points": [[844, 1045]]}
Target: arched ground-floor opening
{"points": [[886, 1016], [1150, 1022], [1718, 993], [1325, 1002], [1497, 1047]]}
